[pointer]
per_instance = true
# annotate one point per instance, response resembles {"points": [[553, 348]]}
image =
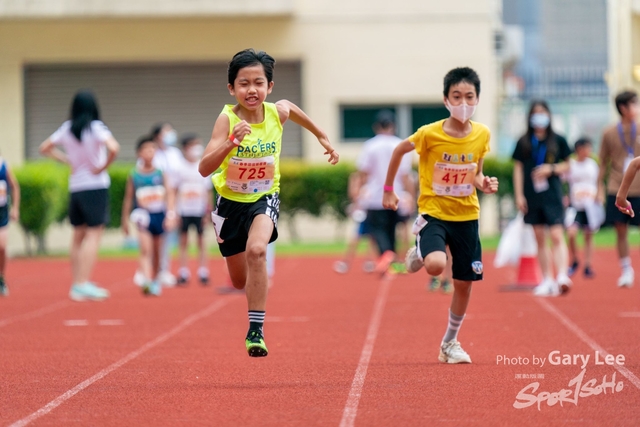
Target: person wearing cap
{"points": [[372, 164]]}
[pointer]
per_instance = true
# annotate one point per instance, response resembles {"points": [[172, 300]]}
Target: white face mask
{"points": [[170, 137], [540, 120], [195, 152], [462, 112]]}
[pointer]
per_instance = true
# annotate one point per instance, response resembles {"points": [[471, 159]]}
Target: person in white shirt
{"points": [[86, 144], [373, 163], [194, 194], [583, 188]]}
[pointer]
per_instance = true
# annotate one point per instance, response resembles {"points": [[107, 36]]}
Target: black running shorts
{"points": [[463, 241], [238, 219]]}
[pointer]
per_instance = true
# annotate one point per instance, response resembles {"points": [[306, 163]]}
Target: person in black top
{"points": [[540, 156]]}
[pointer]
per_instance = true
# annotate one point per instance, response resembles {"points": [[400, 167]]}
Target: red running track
{"points": [[344, 350]]}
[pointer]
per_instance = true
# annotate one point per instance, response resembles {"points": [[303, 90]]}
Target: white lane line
{"points": [[36, 313], [78, 322], [212, 308], [585, 338], [351, 408], [630, 314], [111, 322]]}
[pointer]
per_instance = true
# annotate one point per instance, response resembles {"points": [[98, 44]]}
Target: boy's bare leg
{"points": [[256, 258]]}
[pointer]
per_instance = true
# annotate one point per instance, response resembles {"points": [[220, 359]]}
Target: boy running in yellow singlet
{"points": [[245, 145], [451, 154]]}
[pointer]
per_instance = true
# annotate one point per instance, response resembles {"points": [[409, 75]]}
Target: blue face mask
{"points": [[540, 120]]}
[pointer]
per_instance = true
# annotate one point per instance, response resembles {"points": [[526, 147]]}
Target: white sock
{"points": [[625, 263]]}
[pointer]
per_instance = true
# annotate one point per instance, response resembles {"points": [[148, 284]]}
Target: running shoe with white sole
{"points": [[139, 279], [167, 279], [340, 267], [547, 288], [564, 283], [412, 260], [451, 352], [87, 291], [626, 279], [255, 344]]}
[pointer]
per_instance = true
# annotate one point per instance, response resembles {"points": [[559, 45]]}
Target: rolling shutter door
{"points": [[132, 98]]}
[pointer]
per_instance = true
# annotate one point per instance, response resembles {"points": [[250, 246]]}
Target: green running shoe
{"points": [[435, 284], [255, 344], [447, 286]]}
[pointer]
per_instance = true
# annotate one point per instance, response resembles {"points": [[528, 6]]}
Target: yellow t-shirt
{"points": [[447, 168], [253, 169]]}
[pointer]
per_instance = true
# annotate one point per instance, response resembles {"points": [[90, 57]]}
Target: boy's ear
{"points": [[231, 91], [270, 87]]}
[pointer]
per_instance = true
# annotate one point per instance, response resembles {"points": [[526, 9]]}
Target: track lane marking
{"points": [[35, 313], [585, 338], [351, 407], [212, 308]]}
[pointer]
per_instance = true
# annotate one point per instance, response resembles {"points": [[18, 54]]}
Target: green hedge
{"points": [[503, 170], [315, 189], [44, 195], [118, 173]]}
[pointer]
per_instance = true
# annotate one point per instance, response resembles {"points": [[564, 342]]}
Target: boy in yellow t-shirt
{"points": [[451, 154], [245, 145]]}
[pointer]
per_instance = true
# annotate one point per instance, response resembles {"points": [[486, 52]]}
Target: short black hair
{"points": [[625, 98], [248, 58], [461, 74], [157, 128], [582, 142], [187, 138], [144, 140], [385, 118]]}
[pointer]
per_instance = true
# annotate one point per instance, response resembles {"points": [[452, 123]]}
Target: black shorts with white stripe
{"points": [[238, 219]]}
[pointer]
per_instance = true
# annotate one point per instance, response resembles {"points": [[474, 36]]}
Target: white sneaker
{"points": [[626, 279], [547, 288], [412, 261], [368, 266], [451, 352], [340, 267], [564, 283], [139, 279], [167, 279], [88, 291]]}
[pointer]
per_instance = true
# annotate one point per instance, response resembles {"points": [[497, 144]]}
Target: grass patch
{"points": [[605, 238]]}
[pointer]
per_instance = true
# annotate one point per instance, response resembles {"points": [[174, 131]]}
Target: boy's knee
{"points": [[434, 265], [256, 252]]}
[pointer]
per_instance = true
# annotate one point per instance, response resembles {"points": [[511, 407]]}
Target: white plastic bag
{"points": [[595, 215], [517, 239]]}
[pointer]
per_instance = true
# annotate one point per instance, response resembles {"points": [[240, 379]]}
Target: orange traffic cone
{"points": [[529, 273]]}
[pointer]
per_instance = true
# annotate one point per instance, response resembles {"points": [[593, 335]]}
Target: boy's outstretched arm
{"points": [[621, 198], [289, 110], [389, 197]]}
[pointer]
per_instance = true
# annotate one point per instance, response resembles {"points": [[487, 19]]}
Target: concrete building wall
{"points": [[352, 51]]}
